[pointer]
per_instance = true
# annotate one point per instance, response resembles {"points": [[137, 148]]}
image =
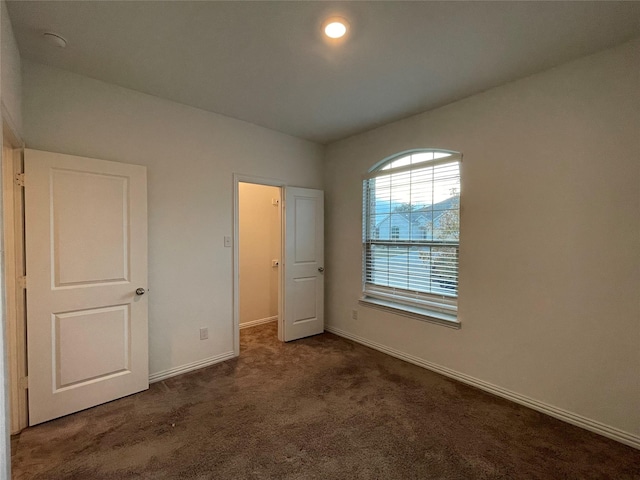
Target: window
{"points": [[411, 230]]}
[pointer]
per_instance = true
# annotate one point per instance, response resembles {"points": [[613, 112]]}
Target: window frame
{"points": [[428, 306]]}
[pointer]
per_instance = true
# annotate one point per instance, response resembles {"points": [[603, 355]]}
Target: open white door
{"points": [[303, 263], [86, 255]]}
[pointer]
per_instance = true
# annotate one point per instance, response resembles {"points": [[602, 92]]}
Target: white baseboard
{"points": [[189, 367], [564, 415], [260, 321]]}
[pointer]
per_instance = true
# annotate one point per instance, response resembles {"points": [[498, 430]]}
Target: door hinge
{"points": [[24, 382], [22, 282], [19, 179]]}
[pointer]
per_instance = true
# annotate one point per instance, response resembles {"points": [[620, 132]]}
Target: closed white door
{"points": [[304, 263], [86, 255]]}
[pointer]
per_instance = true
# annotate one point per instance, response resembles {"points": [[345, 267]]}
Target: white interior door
{"points": [[303, 263], [86, 254]]}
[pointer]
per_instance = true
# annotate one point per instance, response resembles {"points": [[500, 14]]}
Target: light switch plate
{"points": [[227, 241]]}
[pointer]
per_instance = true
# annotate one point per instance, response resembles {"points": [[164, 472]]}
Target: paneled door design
{"points": [[86, 259], [304, 263]]}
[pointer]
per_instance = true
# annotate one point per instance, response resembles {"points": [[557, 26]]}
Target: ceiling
{"points": [[267, 63]]}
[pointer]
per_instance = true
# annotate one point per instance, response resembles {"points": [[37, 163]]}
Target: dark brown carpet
{"points": [[318, 408]]}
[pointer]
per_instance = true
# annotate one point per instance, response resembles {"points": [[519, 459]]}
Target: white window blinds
{"points": [[411, 215]]}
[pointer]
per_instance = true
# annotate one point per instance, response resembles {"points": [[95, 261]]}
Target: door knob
{"points": [[321, 269], [139, 291]]}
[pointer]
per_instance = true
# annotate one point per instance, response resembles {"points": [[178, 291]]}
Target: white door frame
{"points": [[14, 295], [9, 133], [269, 182]]}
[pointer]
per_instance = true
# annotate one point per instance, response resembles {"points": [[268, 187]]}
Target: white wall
{"points": [[260, 232], [191, 156], [10, 73], [550, 251], [10, 101]]}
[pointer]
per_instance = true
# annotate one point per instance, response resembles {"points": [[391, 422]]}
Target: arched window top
{"points": [[411, 158]]}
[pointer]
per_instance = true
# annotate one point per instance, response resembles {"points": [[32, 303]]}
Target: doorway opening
{"points": [[259, 243], [298, 275]]}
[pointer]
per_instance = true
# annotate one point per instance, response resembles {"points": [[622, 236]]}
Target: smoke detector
{"points": [[54, 39]]}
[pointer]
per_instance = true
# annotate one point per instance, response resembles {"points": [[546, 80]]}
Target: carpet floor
{"points": [[318, 408]]}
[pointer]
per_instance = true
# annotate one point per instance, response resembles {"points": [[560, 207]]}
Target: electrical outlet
{"points": [[204, 333], [354, 314]]}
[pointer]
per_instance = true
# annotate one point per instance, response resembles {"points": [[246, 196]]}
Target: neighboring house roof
{"points": [[417, 217]]}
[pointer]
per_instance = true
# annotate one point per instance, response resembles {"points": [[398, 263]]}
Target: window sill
{"points": [[423, 314]]}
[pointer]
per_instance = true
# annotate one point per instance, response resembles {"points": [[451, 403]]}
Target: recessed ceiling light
{"points": [[335, 27], [55, 39]]}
